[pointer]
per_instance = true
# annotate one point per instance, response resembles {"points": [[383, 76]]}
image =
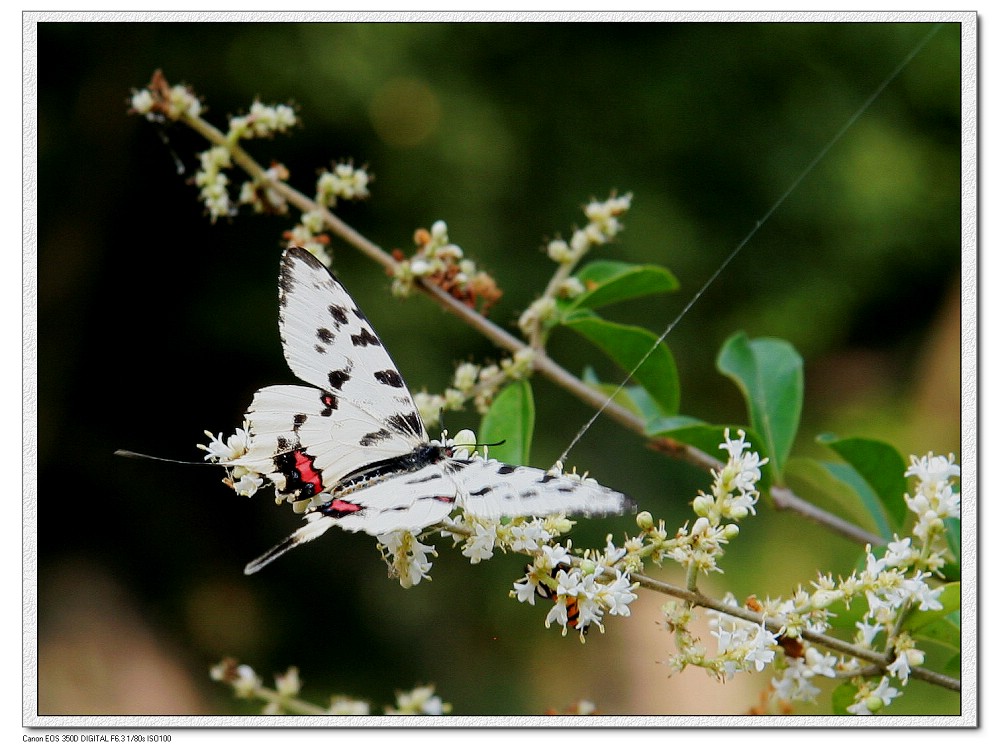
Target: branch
{"points": [[876, 658], [784, 498]]}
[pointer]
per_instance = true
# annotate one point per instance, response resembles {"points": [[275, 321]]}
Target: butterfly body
{"points": [[352, 443]]}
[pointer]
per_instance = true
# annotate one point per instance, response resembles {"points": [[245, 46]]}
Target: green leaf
{"points": [[952, 571], [511, 418], [840, 487], [881, 468], [607, 281], [627, 345], [842, 697], [946, 630], [769, 373], [635, 398], [936, 624]]}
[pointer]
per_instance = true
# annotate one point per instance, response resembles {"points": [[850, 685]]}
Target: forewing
{"points": [[329, 343], [491, 489]]}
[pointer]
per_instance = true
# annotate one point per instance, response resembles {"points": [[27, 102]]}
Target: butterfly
{"points": [[352, 441]]}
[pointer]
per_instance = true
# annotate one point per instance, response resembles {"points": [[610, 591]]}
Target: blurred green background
{"points": [[155, 324]]}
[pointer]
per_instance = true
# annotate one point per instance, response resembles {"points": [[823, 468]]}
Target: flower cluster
{"points": [[440, 262], [241, 479], [602, 227], [345, 182], [734, 497], [284, 697], [406, 557], [421, 701], [582, 589], [891, 583], [159, 100], [471, 381], [262, 121]]}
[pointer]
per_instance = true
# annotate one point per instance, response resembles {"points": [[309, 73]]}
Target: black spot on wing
{"points": [[329, 402], [484, 491], [406, 424], [339, 314], [374, 438], [546, 478], [421, 480], [360, 315], [365, 338], [389, 377], [339, 377], [325, 335], [526, 494], [506, 469], [298, 420]]}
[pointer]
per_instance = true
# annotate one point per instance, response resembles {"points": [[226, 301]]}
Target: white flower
{"points": [[344, 706], [481, 541], [142, 102], [246, 682], [419, 701], [524, 589], [551, 557], [905, 660], [288, 684], [619, 594], [931, 469], [226, 450], [869, 700], [795, 682], [406, 557], [559, 251], [743, 645], [868, 631]]}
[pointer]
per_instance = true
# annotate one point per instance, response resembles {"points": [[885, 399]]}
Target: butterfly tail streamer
{"points": [[316, 525]]}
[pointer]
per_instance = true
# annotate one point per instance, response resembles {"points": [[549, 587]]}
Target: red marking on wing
{"points": [[344, 507], [308, 473]]}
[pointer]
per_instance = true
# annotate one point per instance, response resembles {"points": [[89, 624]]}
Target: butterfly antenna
{"points": [[760, 222], [132, 454]]}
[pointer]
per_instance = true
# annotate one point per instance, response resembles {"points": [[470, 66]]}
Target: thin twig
{"points": [[783, 497], [775, 625]]}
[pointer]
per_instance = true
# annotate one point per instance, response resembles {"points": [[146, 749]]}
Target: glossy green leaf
{"points": [[946, 631], [627, 345], [635, 398], [839, 487], [882, 468], [769, 373], [606, 282], [511, 419], [950, 599]]}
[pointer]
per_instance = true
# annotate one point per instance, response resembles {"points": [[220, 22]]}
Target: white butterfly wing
{"points": [[360, 411], [412, 500], [329, 343], [491, 489]]}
